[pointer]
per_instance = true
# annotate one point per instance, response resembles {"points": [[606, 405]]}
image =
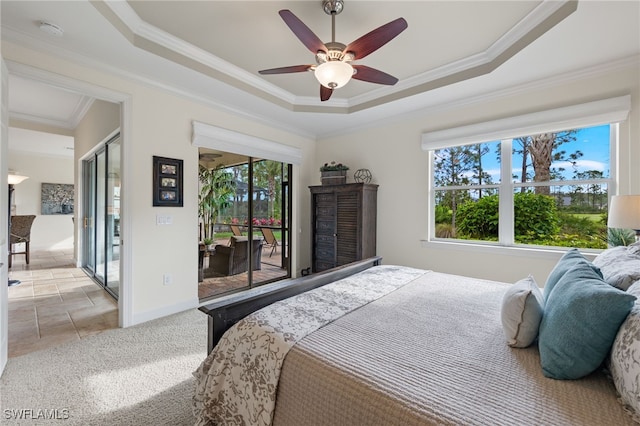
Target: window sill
{"points": [[500, 250]]}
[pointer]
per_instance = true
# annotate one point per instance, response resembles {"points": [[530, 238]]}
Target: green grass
{"points": [[593, 217]]}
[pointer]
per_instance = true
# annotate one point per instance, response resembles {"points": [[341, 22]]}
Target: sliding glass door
{"points": [[245, 216], [101, 216]]}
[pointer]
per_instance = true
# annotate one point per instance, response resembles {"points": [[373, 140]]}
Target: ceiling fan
{"points": [[333, 68]]}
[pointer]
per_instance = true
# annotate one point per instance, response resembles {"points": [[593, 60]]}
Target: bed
{"points": [[372, 344]]}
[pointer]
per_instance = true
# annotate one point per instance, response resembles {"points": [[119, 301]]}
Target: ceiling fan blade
{"points": [[325, 93], [375, 39], [286, 70], [306, 36], [372, 75]]}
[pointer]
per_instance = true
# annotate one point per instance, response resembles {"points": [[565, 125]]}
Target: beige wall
{"points": [[158, 123], [100, 122], [393, 154], [48, 231]]}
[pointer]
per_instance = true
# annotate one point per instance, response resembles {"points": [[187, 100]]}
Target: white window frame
{"points": [[609, 111]]}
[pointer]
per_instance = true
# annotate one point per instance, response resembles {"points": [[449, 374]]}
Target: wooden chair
{"points": [[269, 239], [235, 229], [20, 232]]}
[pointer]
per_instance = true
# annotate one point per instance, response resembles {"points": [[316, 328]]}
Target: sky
{"points": [[592, 141]]}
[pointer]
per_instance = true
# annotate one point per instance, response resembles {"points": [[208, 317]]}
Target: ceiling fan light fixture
{"points": [[334, 74]]}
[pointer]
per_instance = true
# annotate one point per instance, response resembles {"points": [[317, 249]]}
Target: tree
{"points": [[594, 191], [268, 173], [217, 189], [451, 167], [461, 166], [524, 164], [543, 149], [479, 175]]}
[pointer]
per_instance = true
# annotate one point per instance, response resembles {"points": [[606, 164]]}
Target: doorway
{"points": [[101, 215], [244, 206]]}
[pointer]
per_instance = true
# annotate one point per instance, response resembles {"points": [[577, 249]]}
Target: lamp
{"points": [[334, 74], [624, 213], [13, 179]]}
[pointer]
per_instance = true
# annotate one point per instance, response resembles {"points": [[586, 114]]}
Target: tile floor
{"points": [[55, 303]]}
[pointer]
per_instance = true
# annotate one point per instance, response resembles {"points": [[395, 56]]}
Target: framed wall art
{"points": [[167, 182], [56, 198]]}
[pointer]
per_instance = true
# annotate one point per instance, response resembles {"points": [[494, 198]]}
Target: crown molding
{"points": [[66, 156], [27, 41], [543, 17], [146, 31], [81, 110], [62, 124], [557, 80], [539, 20]]}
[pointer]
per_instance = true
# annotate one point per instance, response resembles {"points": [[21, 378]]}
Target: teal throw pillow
{"points": [[582, 316], [566, 262]]}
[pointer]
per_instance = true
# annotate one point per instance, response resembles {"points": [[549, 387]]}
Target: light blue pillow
{"points": [[566, 262], [582, 316]]}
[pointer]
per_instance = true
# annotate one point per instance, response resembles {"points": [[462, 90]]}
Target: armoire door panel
{"points": [[343, 224]]}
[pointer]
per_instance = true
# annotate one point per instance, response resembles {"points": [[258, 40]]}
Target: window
{"points": [[547, 187]]}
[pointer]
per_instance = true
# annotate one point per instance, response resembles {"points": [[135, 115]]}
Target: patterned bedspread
{"points": [[237, 383]]}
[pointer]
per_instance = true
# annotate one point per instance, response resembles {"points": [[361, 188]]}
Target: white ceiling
{"points": [[211, 51]]}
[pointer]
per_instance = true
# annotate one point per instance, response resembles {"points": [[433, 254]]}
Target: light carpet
{"points": [[141, 375]]}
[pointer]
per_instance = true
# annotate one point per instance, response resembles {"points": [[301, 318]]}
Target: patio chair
{"points": [[20, 232], [269, 239], [235, 229], [234, 259]]}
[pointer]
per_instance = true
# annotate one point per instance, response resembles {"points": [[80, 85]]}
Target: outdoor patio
{"points": [[271, 270]]}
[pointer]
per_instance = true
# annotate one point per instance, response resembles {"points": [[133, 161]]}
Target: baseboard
{"points": [[139, 318]]}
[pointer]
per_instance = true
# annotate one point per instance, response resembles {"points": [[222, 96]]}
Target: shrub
{"points": [[620, 237], [536, 217], [478, 219], [443, 214]]}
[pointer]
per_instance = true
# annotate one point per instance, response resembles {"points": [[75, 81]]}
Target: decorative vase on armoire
{"points": [[343, 224]]}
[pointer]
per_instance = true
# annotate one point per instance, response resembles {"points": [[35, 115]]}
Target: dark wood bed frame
{"points": [[226, 311]]}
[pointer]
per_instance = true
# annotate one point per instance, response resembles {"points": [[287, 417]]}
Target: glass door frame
{"points": [[92, 199]]}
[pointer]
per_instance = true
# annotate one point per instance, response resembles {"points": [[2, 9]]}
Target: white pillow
{"points": [[624, 361], [620, 265], [521, 313]]}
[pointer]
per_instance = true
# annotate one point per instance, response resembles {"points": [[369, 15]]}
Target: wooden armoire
{"points": [[343, 224]]}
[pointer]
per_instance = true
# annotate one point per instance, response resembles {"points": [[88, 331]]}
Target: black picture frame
{"points": [[167, 182]]}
